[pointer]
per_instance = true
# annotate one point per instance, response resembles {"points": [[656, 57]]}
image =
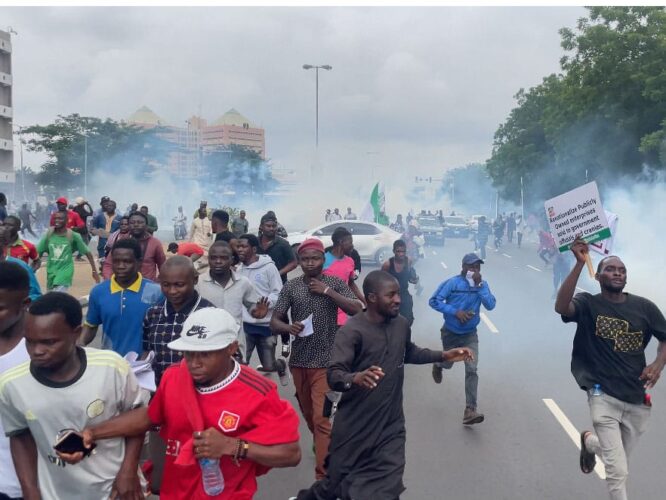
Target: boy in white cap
{"points": [[212, 407]]}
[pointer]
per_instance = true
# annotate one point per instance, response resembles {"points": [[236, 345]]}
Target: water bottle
{"points": [[597, 390], [211, 475]]}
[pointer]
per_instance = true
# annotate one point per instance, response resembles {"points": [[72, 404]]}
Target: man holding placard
{"points": [[608, 362]]}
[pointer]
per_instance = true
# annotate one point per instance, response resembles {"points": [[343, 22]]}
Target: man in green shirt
{"points": [[60, 243], [151, 226]]}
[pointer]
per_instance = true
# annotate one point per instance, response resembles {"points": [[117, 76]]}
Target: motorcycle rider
{"points": [[180, 225]]}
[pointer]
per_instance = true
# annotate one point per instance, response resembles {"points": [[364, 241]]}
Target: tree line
{"points": [[76, 146], [603, 117]]}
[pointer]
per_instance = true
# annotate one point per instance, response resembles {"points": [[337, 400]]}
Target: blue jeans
{"points": [[452, 340], [482, 247], [265, 345]]}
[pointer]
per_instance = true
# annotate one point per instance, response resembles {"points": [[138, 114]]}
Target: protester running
{"points": [[366, 457], [65, 387], [312, 300], [613, 328], [459, 300], [210, 407]]}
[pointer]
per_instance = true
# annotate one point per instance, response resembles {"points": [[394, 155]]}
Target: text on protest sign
{"points": [[577, 213]]}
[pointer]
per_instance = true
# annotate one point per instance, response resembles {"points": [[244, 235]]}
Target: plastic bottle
{"points": [[211, 476], [597, 390]]}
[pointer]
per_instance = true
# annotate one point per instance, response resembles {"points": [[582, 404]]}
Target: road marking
{"points": [[434, 253], [506, 255], [572, 432], [488, 323], [534, 268], [443, 265], [582, 289]]}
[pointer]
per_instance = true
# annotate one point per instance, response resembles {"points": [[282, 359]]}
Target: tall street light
{"points": [[317, 68]]}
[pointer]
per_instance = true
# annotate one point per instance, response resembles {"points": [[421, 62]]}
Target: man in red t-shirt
{"points": [[211, 407], [18, 248], [74, 221], [187, 249]]}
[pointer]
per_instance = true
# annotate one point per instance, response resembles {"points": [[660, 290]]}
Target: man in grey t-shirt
{"points": [[240, 224], [67, 387]]}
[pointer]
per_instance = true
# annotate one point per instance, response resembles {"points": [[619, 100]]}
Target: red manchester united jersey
{"points": [[245, 405]]}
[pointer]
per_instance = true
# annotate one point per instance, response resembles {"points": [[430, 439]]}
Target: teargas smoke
{"points": [[640, 238]]}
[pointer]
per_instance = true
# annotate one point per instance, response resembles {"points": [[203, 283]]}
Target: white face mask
{"points": [[470, 278]]}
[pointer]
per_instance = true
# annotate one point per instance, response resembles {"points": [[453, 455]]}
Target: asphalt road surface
{"points": [[524, 450]]}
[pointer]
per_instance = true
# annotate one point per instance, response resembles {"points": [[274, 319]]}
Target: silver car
{"points": [[373, 242]]}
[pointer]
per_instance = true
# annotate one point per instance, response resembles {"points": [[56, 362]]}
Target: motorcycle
{"points": [[179, 229]]}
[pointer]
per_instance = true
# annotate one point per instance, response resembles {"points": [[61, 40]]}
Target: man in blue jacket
{"points": [[459, 299]]}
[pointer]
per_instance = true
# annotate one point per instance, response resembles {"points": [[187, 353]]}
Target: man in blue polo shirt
{"points": [[120, 303], [459, 300]]}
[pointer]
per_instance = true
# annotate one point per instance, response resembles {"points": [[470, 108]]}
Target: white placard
{"points": [[577, 213]]}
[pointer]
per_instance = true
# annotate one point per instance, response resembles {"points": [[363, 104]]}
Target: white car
{"points": [[373, 242]]}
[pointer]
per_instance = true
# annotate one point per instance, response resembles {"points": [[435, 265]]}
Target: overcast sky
{"points": [[424, 89]]}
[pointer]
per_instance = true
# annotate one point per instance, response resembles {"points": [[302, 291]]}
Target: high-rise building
{"points": [[197, 138], [6, 112]]}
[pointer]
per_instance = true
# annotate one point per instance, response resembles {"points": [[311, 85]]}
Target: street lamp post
{"points": [[85, 167], [317, 68]]}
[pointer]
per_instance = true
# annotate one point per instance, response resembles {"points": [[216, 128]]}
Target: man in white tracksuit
{"points": [[264, 276]]}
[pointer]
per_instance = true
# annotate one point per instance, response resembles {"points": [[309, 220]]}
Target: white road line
{"points": [[534, 268], [582, 289], [443, 265], [506, 255], [434, 253], [488, 323], [572, 432]]}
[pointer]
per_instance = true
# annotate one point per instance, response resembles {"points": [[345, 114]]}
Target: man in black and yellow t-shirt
{"points": [[608, 362]]}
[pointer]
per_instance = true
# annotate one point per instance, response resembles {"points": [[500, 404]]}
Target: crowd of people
{"points": [[79, 423]]}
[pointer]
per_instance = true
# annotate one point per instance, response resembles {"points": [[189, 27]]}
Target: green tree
{"points": [[240, 169], [603, 116], [109, 144]]}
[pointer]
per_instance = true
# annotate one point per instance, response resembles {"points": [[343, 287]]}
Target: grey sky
{"points": [[425, 88]]}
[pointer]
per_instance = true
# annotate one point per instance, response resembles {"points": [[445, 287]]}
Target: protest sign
{"points": [[577, 213]]}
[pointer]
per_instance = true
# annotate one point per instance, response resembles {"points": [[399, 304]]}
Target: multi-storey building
{"points": [[6, 113], [196, 137]]}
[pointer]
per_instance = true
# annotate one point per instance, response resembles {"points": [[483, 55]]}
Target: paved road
{"points": [[522, 451]]}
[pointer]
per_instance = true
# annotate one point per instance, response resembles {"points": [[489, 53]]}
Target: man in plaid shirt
{"points": [[164, 321]]}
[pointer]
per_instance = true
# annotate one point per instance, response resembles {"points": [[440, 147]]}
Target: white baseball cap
{"points": [[207, 329]]}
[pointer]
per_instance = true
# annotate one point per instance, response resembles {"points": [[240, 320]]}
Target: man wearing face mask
{"points": [[459, 299]]}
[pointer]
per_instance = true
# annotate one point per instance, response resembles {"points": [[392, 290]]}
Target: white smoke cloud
{"points": [[640, 240]]}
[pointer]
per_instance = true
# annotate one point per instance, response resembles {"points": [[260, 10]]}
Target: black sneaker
{"points": [[587, 459], [283, 374], [437, 373]]}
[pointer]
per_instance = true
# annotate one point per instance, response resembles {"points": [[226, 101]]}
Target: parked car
{"points": [[432, 229], [456, 227], [373, 242]]}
